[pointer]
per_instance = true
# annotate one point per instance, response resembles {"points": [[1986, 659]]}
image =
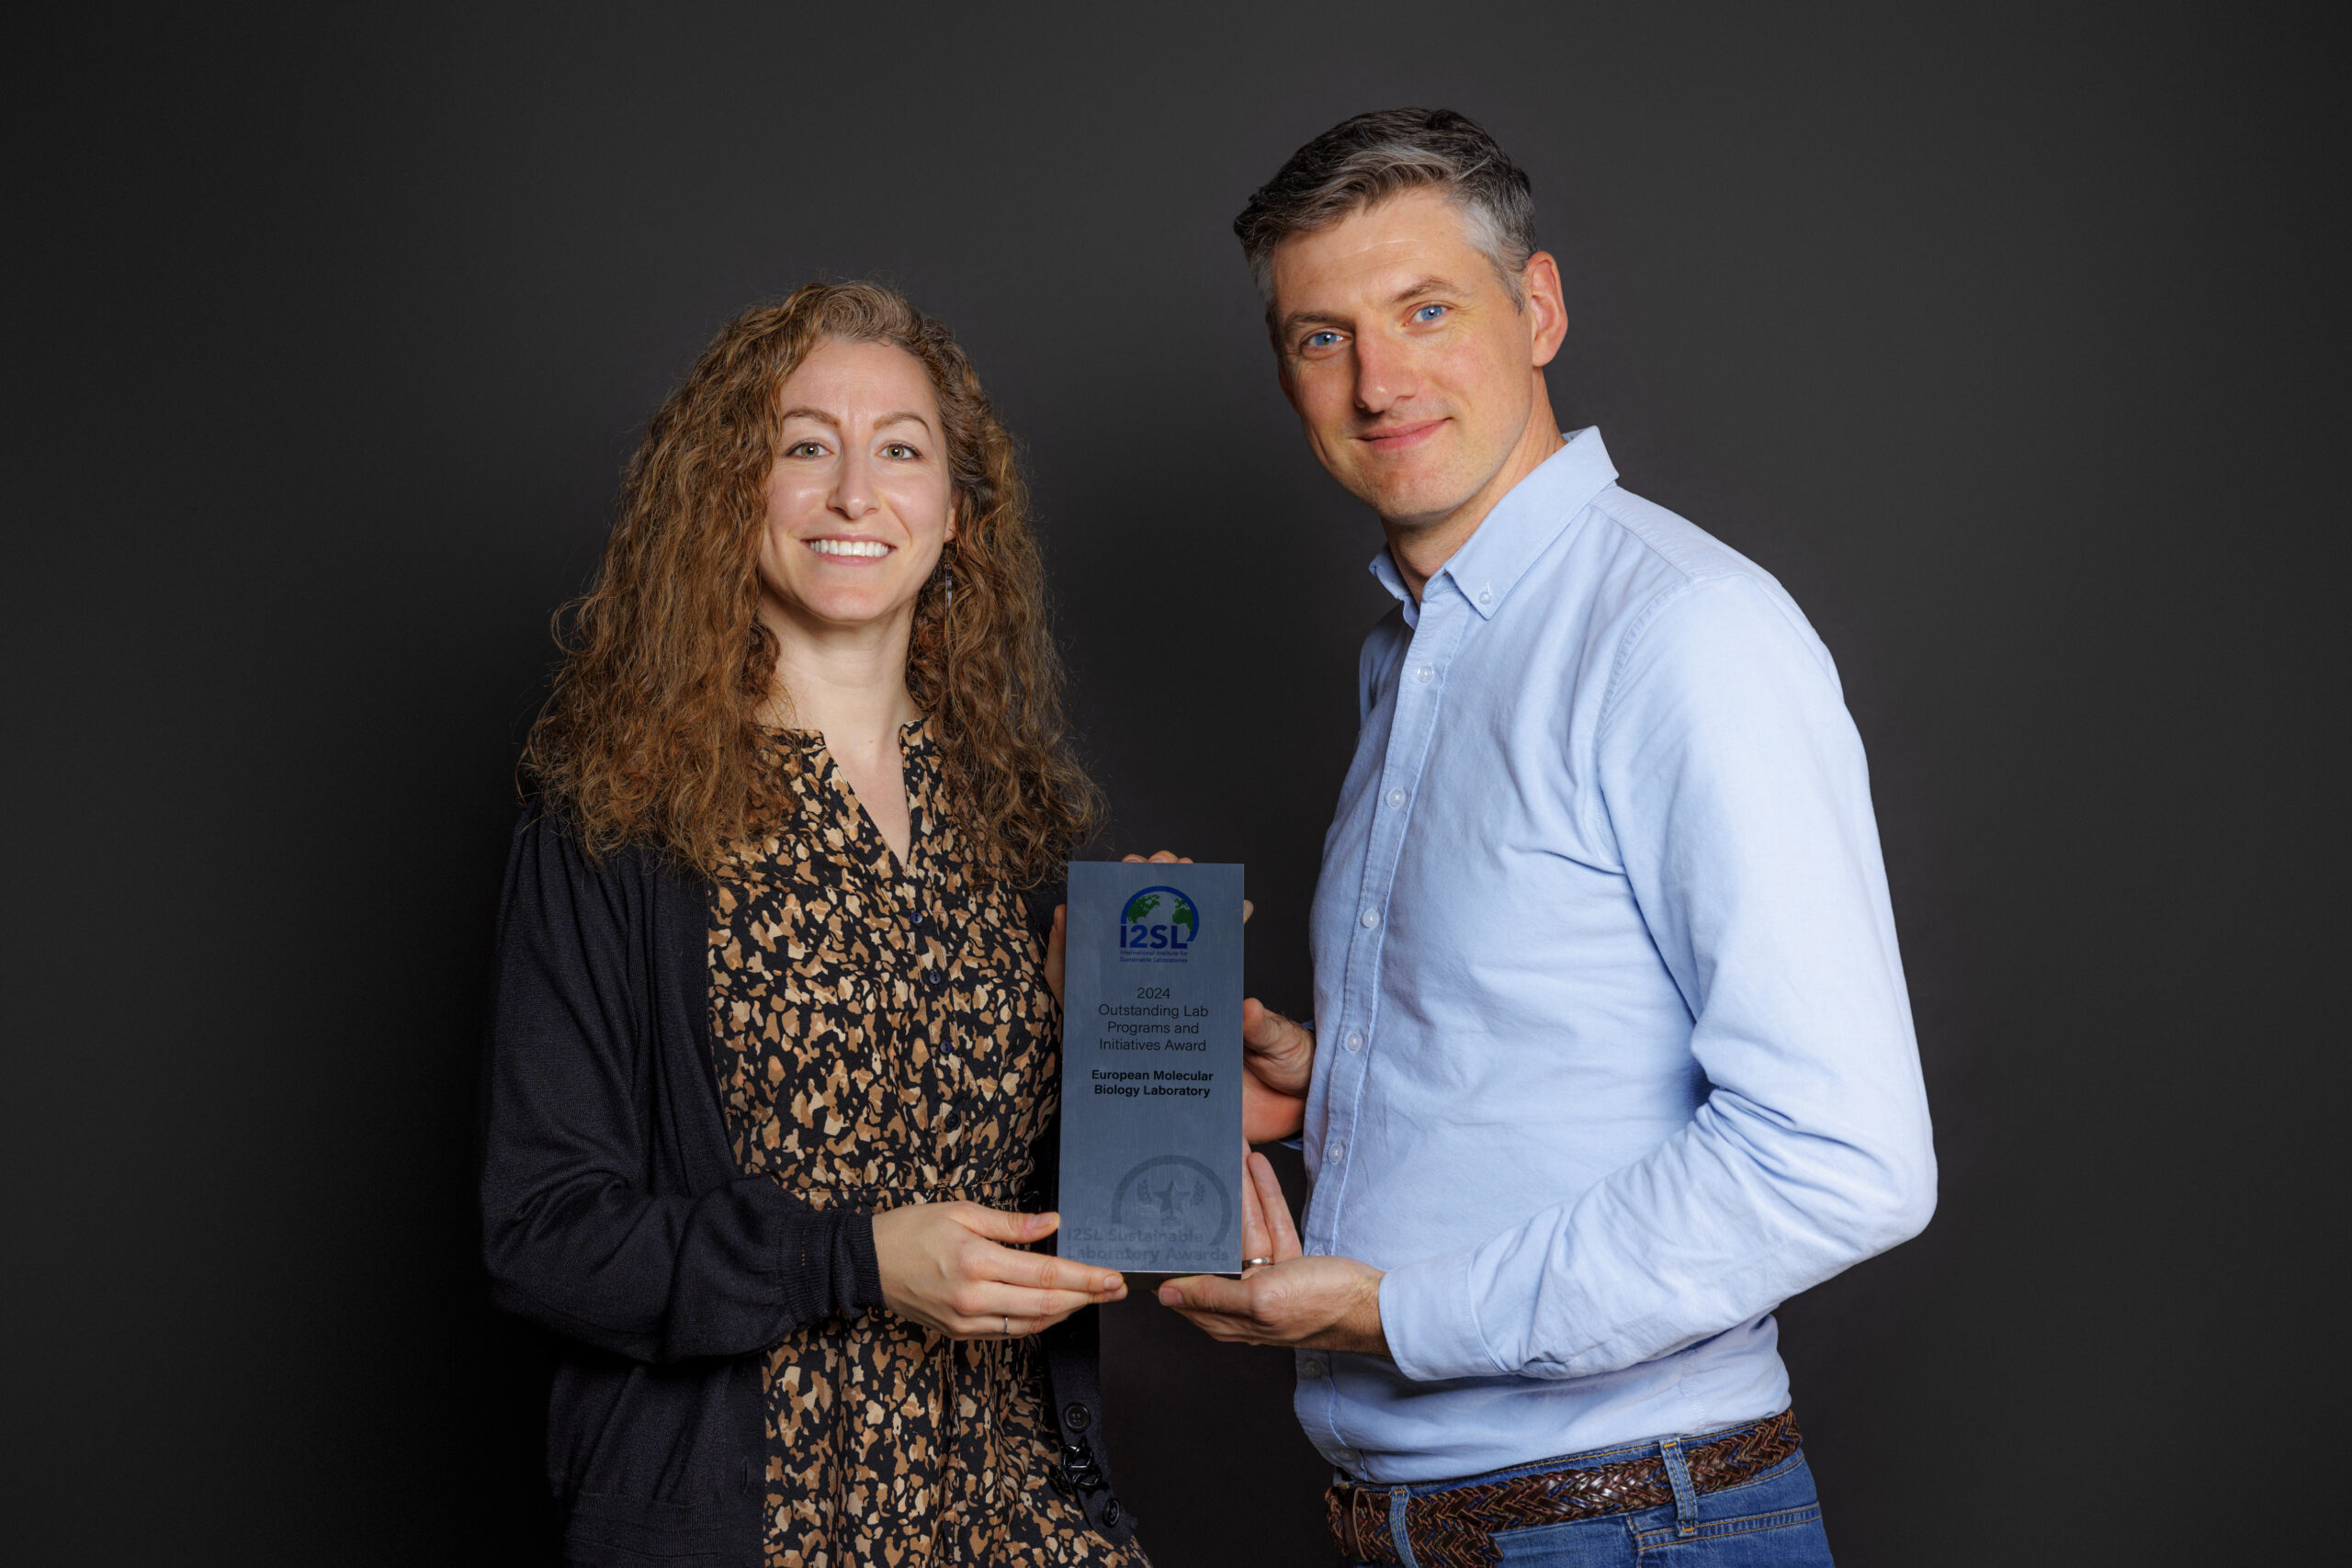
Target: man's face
{"points": [[1411, 369]]}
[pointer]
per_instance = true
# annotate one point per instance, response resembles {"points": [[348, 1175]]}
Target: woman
{"points": [[774, 1054]]}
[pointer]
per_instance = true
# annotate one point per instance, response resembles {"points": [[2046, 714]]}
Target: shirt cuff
{"points": [[1427, 1314]]}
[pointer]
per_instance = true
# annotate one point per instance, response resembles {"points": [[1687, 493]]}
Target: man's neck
{"points": [[1420, 547]]}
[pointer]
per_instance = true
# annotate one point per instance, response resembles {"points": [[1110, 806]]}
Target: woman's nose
{"points": [[854, 486]]}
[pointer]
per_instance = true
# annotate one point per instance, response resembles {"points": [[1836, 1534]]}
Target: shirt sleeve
{"points": [[571, 1234], [1736, 791]]}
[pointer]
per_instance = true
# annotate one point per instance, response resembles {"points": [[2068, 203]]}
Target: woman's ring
{"points": [[1254, 1262], [1008, 1329]]}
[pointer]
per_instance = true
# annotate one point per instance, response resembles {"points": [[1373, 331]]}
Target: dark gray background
{"points": [[2008, 338]]}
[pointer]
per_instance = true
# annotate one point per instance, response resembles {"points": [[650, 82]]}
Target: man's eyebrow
{"points": [[1298, 319], [1431, 285]]}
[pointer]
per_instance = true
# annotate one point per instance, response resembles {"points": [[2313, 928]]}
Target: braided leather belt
{"points": [[1455, 1529]]}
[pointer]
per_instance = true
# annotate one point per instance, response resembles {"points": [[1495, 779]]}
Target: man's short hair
{"points": [[1361, 162]]}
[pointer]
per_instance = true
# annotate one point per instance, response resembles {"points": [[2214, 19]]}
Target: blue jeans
{"points": [[1772, 1521]]}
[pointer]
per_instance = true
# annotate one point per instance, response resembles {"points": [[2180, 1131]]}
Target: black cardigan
{"points": [[614, 1212]]}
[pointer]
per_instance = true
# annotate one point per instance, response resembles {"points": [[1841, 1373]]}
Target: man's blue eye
{"points": [[1322, 340], [1429, 312]]}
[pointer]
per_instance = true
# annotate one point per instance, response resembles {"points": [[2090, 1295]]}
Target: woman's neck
{"points": [[850, 683]]}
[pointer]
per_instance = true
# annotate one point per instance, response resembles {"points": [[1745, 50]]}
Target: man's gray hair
{"points": [[1361, 162]]}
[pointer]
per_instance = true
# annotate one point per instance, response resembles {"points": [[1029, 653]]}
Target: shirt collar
{"points": [[1521, 526]]}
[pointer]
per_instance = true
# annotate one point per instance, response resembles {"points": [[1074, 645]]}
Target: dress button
{"points": [[1396, 797], [1425, 674], [1371, 919], [1076, 1417], [935, 976], [1355, 1039]]}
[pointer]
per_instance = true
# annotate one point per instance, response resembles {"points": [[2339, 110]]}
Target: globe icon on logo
{"points": [[1160, 921]]}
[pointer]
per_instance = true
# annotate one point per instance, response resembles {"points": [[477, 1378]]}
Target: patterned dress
{"points": [[883, 1034]]}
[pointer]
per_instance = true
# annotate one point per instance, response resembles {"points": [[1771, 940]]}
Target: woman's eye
{"points": [[901, 450], [804, 449], [1429, 312]]}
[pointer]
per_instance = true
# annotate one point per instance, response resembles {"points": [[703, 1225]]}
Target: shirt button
{"points": [[1485, 596], [1355, 1039], [1310, 1367], [1343, 1456], [1371, 919], [1425, 674], [1396, 797], [1336, 1148]]}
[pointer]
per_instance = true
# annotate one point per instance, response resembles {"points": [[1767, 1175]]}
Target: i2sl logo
{"points": [[1177, 928]]}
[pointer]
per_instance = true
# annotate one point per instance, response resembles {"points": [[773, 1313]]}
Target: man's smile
{"points": [[1400, 437]]}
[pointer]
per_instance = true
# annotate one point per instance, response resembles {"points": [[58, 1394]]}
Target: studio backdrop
{"points": [[1997, 336]]}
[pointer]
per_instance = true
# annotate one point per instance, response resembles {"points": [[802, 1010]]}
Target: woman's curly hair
{"points": [[653, 731]]}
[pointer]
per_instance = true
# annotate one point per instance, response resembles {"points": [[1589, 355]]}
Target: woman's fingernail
{"points": [[1171, 1296]]}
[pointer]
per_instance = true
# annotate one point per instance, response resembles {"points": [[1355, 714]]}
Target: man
{"points": [[1611, 1051]]}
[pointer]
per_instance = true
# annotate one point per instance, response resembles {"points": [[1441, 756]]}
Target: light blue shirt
{"points": [[1613, 1051]]}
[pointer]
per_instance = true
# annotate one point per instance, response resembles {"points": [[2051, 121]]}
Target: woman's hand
{"points": [[1057, 952], [952, 1267]]}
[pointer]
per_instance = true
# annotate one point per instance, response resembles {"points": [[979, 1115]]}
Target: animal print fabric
{"points": [[884, 1036]]}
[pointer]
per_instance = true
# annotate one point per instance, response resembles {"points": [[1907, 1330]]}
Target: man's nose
{"points": [[1384, 374], [853, 494]]}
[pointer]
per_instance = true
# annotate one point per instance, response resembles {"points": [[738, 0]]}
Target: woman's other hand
{"points": [[954, 1268], [1057, 952]]}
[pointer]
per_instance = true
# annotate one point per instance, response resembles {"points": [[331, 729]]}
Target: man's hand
{"points": [[1313, 1304], [1277, 1055], [1277, 1060]]}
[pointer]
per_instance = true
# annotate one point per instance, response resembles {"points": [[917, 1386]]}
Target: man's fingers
{"points": [[1209, 1293], [1256, 1241], [1263, 1027], [1281, 1230]]}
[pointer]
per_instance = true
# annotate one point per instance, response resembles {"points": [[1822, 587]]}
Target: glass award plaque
{"points": [[1151, 1069]]}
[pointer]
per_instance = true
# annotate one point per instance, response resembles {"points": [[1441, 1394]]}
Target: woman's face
{"points": [[859, 501]]}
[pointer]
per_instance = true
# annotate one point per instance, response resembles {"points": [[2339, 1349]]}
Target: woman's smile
{"points": [[851, 548]]}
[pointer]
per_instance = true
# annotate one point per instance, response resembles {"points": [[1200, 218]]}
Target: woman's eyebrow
{"points": [[822, 417]]}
